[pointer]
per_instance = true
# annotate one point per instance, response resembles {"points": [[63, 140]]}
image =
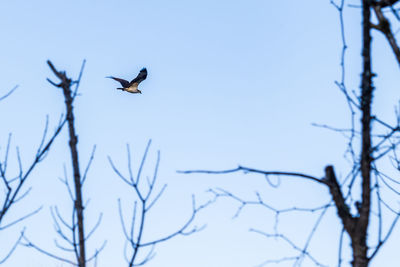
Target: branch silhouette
{"points": [[147, 197]]}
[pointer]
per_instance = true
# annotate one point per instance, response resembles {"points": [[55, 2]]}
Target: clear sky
{"points": [[230, 82]]}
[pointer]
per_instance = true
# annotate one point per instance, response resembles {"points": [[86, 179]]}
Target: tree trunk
{"points": [[359, 236], [77, 176], [359, 248]]}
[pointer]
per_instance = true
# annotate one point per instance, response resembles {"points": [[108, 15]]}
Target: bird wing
{"points": [[141, 76], [123, 82]]}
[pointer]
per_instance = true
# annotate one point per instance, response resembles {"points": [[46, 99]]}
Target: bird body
{"points": [[132, 86]]}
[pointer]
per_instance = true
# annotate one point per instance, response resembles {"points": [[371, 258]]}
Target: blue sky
{"points": [[230, 82]]}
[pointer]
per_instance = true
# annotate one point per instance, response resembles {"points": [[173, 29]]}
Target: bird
{"points": [[131, 87]]}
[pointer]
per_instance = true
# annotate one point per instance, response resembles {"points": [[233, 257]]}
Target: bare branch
{"points": [[13, 194], [340, 248], [95, 226], [8, 93], [181, 231], [141, 207], [20, 219], [294, 246], [12, 248], [142, 162], [118, 173], [89, 164], [156, 198], [28, 243], [251, 170], [384, 26]]}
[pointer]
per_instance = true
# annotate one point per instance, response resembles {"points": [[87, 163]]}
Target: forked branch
{"points": [[146, 199]]}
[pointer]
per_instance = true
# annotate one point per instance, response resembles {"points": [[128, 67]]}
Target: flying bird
{"points": [[132, 87]]}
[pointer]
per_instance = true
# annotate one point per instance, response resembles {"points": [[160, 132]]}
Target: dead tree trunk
{"points": [[73, 141], [75, 243], [358, 237]]}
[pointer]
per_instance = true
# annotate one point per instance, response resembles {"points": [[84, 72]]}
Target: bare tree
{"points": [[354, 212], [72, 233], [146, 198], [13, 181]]}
